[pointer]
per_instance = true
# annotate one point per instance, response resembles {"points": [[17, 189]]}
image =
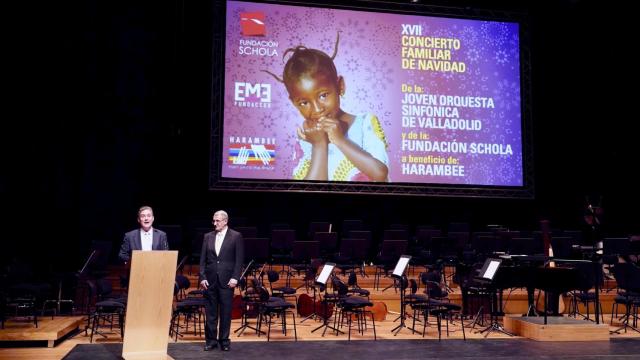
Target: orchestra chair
{"points": [[191, 309], [627, 276], [439, 303], [256, 249], [352, 255], [354, 288], [247, 231], [108, 307], [589, 274], [386, 260], [282, 246], [418, 302], [328, 243], [614, 248], [349, 225], [362, 252], [352, 307], [303, 252], [270, 306], [280, 291], [318, 226]]}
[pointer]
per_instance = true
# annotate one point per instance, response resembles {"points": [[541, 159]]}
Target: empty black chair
{"points": [[282, 245], [590, 274], [627, 276], [318, 226], [247, 231], [563, 247], [352, 307], [280, 291], [328, 243], [439, 304], [354, 288], [256, 249], [388, 256], [191, 309], [351, 225], [271, 306], [109, 308]]}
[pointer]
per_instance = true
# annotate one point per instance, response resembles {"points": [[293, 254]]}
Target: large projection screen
{"points": [[326, 99]]}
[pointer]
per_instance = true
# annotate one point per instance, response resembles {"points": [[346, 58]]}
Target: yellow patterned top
{"points": [[366, 132]]}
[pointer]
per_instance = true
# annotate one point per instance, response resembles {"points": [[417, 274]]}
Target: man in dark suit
{"points": [[144, 238], [220, 269]]}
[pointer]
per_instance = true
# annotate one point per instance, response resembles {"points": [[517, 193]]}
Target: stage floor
{"points": [[306, 338], [387, 350]]}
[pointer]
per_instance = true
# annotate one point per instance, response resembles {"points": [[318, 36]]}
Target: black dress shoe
{"points": [[225, 348], [210, 347]]}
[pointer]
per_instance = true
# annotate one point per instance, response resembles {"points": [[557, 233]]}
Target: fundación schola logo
{"points": [[252, 24]]}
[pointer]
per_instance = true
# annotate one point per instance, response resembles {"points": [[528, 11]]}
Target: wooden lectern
{"points": [[149, 305]]}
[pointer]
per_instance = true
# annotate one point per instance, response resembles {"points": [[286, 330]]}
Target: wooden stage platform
{"points": [[558, 328], [514, 304], [49, 330]]}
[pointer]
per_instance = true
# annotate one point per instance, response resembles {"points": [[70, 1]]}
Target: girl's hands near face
{"points": [[312, 132], [333, 127]]}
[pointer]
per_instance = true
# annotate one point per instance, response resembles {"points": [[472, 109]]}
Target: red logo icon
{"points": [[252, 24]]}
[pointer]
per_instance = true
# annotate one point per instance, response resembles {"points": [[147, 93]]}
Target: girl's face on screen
{"points": [[316, 96]]}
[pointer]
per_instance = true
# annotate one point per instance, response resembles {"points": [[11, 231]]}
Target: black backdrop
{"points": [[112, 111]]}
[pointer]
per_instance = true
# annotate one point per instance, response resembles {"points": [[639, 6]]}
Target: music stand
{"points": [[390, 250], [321, 280], [488, 276], [245, 321], [304, 251], [352, 254], [82, 273], [181, 264], [398, 273]]}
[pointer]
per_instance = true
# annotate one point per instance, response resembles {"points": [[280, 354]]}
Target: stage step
{"points": [[49, 330]]}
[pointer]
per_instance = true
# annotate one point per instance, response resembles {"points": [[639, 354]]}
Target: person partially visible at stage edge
{"points": [[592, 231], [333, 144], [220, 269], [145, 238]]}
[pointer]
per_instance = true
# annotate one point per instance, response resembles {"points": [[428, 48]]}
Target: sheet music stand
{"points": [[398, 275], [245, 321], [321, 280], [488, 276], [303, 253], [81, 275], [181, 264], [390, 250]]}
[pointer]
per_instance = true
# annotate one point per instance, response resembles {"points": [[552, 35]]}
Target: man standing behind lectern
{"points": [[144, 238], [220, 268]]}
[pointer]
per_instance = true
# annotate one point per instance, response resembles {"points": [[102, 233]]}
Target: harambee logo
{"points": [[252, 154], [252, 151]]}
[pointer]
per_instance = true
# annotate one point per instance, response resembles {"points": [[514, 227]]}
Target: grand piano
{"points": [[534, 272], [552, 275]]}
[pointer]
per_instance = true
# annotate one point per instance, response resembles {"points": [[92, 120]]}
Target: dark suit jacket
{"points": [[132, 242], [217, 270]]}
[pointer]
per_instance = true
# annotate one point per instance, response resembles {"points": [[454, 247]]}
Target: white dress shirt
{"points": [[219, 239], [146, 238]]}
